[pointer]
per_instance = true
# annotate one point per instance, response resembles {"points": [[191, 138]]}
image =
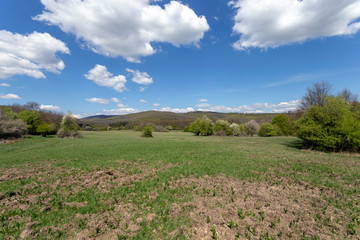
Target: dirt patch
{"points": [[228, 208]]}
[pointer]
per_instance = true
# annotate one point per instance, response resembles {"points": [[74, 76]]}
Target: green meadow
{"points": [[117, 185]]}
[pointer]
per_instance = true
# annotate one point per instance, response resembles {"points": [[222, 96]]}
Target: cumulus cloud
{"points": [[4, 85], [156, 105], [30, 54], [140, 77], [125, 28], [142, 101], [102, 77], [9, 96], [98, 100], [115, 100], [176, 110], [49, 107], [272, 23], [256, 108], [203, 100]]}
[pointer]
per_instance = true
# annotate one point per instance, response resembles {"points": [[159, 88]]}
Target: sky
{"points": [[117, 57]]}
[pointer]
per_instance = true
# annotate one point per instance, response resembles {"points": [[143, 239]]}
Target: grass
{"points": [[121, 186]]}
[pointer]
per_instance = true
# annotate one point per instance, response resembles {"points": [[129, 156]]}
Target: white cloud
{"points": [[142, 101], [203, 105], [121, 105], [50, 107], [142, 89], [295, 79], [203, 100], [156, 105], [256, 108], [9, 96], [125, 28], [115, 100], [272, 23], [4, 85], [102, 77], [30, 54], [140, 77], [98, 100], [119, 111], [176, 110]]}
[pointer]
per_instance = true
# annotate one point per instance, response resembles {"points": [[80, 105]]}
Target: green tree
{"points": [[44, 129], [222, 127], [267, 130], [331, 127], [202, 127], [147, 131], [32, 120], [283, 122]]}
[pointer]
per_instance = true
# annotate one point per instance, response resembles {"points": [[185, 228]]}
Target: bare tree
{"points": [[32, 106], [348, 95], [316, 95]]}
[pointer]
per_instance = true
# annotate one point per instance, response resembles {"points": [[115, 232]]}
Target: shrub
{"points": [[202, 127], [10, 128], [330, 127], [283, 122], [242, 130], [235, 129], [159, 128], [267, 130], [222, 127], [32, 120], [44, 129], [251, 127], [147, 131], [68, 127]]}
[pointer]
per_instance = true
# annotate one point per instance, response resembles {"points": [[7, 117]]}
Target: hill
{"points": [[180, 120]]}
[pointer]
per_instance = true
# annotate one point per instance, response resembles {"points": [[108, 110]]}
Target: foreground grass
{"points": [[116, 185]]}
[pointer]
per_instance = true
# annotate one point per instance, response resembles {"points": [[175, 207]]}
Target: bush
{"points": [[235, 129], [330, 127], [284, 123], [267, 130], [68, 127], [147, 131], [202, 127], [44, 129], [32, 120], [222, 127], [251, 127], [12, 128]]}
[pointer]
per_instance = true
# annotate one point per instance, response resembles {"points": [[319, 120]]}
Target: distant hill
{"points": [[179, 119]]}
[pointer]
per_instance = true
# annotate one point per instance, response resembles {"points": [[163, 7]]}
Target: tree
{"points": [[32, 120], [202, 127], [252, 127], [11, 128], [316, 95], [331, 127], [147, 131], [68, 127], [44, 129], [347, 95], [32, 106], [267, 130], [283, 122], [222, 127]]}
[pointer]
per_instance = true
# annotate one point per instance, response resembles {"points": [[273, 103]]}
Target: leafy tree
{"points": [[331, 127], [32, 119], [316, 95], [267, 130], [252, 127], [222, 127], [147, 131], [202, 127], [68, 127], [283, 122], [44, 129], [235, 129]]}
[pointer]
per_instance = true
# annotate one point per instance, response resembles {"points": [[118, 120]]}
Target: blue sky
{"points": [[119, 56]]}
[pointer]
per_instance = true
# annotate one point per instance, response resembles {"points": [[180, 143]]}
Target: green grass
{"points": [[161, 161]]}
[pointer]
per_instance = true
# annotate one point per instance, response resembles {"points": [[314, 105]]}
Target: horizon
{"points": [[225, 56]]}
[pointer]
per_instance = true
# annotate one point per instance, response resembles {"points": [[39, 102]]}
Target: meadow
{"points": [[117, 185]]}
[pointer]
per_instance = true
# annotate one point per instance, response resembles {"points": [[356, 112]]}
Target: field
{"points": [[117, 185]]}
